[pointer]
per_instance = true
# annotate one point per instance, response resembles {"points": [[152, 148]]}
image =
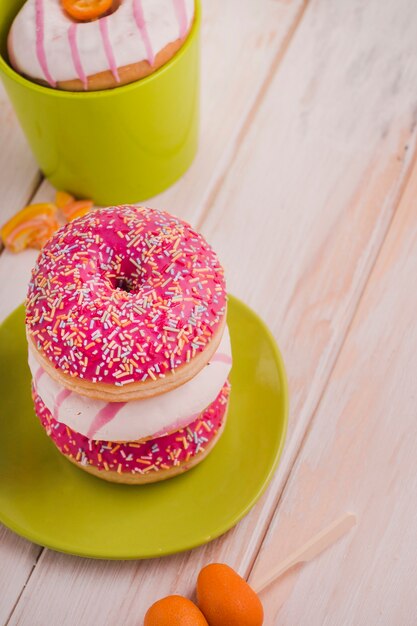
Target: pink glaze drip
{"points": [[141, 24], [39, 373], [108, 48], [177, 425], [181, 16], [137, 457], [72, 37], [61, 397], [40, 47], [105, 415], [221, 358], [173, 302]]}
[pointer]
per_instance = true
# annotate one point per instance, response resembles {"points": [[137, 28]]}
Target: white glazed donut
{"points": [[140, 419], [46, 45]]}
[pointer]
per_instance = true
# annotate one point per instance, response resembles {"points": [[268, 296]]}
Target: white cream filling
{"points": [[126, 41], [138, 419]]}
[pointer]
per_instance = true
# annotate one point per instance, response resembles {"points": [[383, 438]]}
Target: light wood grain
{"points": [[19, 174], [324, 539], [19, 179], [243, 44], [298, 219], [17, 559], [360, 454]]}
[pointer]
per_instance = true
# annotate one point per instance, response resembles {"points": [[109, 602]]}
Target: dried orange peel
{"points": [[30, 228], [86, 10], [62, 198], [70, 207]]}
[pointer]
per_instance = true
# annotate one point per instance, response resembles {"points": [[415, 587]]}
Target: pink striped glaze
{"points": [[158, 453], [62, 396], [72, 38], [40, 48], [108, 48], [141, 24], [221, 358], [104, 416], [39, 373], [96, 418], [181, 12], [177, 426]]}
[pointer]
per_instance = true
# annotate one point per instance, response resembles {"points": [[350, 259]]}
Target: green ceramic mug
{"points": [[115, 146]]}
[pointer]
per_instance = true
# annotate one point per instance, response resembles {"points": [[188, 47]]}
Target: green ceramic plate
{"points": [[46, 499]]}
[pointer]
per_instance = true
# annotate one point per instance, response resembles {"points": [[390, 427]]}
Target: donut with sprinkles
{"points": [[125, 302], [129, 349]]}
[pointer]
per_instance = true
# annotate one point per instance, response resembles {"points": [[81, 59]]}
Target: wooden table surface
{"points": [[306, 184]]}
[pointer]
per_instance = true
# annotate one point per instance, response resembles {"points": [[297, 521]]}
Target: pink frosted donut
{"points": [[139, 462], [125, 303]]}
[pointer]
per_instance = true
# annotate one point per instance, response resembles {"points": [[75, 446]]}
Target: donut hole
{"points": [[123, 276], [124, 284]]}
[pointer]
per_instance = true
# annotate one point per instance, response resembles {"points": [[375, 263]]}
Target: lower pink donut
{"points": [[149, 456]]}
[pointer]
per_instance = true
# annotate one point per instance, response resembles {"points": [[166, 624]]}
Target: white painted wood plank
{"points": [[313, 189], [360, 455], [243, 43], [17, 558], [19, 178], [298, 221], [19, 174]]}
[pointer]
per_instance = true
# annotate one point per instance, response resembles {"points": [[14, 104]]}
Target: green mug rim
{"points": [[106, 93]]}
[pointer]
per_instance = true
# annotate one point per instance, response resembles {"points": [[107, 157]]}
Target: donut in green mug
{"points": [[96, 44]]}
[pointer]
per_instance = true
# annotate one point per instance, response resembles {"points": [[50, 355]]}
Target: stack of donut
{"points": [[96, 44], [128, 344]]}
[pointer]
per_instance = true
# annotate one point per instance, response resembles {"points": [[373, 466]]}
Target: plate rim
{"points": [[222, 528]]}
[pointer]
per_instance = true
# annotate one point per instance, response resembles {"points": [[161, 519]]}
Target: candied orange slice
{"points": [[62, 198], [32, 235], [85, 10], [29, 212], [30, 228], [77, 208]]}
